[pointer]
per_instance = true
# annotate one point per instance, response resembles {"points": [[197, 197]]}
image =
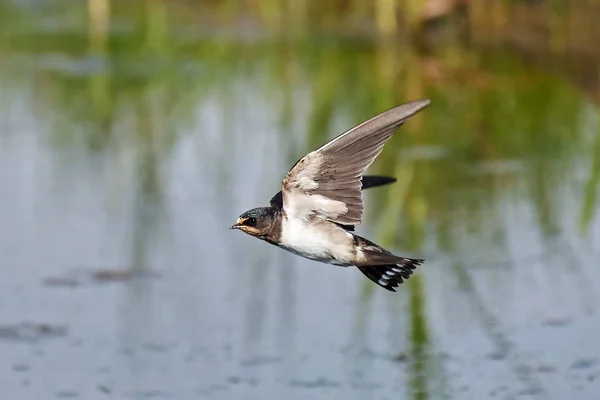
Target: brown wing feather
{"points": [[327, 181]]}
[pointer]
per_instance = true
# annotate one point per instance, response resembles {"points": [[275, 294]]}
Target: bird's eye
{"points": [[251, 221]]}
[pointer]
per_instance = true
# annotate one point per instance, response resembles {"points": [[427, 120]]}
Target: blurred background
{"points": [[133, 133]]}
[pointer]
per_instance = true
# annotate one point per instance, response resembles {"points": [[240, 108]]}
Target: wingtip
{"points": [[411, 108], [420, 104]]}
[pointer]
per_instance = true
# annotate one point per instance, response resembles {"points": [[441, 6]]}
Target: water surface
{"points": [[128, 147]]}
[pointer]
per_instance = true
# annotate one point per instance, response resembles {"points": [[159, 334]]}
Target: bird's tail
{"points": [[390, 276], [384, 268]]}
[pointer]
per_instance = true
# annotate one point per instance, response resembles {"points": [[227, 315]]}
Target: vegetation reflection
{"points": [[500, 130]]}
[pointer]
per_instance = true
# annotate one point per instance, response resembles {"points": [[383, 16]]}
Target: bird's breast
{"points": [[321, 241]]}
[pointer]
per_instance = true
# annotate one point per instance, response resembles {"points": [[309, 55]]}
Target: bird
{"points": [[315, 213]]}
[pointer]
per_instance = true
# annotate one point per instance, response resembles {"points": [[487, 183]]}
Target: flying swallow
{"points": [[320, 202]]}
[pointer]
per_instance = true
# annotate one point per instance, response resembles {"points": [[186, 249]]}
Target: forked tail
{"points": [[384, 268], [391, 276]]}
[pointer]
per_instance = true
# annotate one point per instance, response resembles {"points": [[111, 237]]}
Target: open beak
{"points": [[238, 223]]}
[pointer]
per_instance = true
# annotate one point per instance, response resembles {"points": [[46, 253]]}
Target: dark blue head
{"points": [[256, 222]]}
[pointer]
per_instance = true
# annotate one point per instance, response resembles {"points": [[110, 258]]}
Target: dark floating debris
{"points": [[584, 363], [212, 390], [557, 321], [319, 383], [61, 281], [104, 389], [67, 394], [108, 276], [96, 277], [30, 332], [20, 367], [534, 391], [260, 361], [545, 368], [150, 394], [158, 347], [234, 380], [496, 356]]}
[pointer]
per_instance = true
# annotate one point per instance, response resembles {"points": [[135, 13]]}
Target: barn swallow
{"points": [[320, 202]]}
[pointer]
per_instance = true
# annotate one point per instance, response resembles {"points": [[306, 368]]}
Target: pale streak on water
{"points": [[231, 317]]}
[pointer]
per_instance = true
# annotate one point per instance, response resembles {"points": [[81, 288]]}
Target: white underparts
{"points": [[321, 241]]}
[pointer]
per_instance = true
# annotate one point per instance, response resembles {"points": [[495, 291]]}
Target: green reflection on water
{"points": [[498, 131], [419, 341]]}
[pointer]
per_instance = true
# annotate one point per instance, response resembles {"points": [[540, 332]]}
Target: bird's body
{"points": [[314, 214], [320, 241]]}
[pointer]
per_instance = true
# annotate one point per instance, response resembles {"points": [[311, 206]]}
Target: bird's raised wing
{"points": [[326, 183]]}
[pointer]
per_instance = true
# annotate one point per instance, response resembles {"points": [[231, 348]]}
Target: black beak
{"points": [[236, 226]]}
